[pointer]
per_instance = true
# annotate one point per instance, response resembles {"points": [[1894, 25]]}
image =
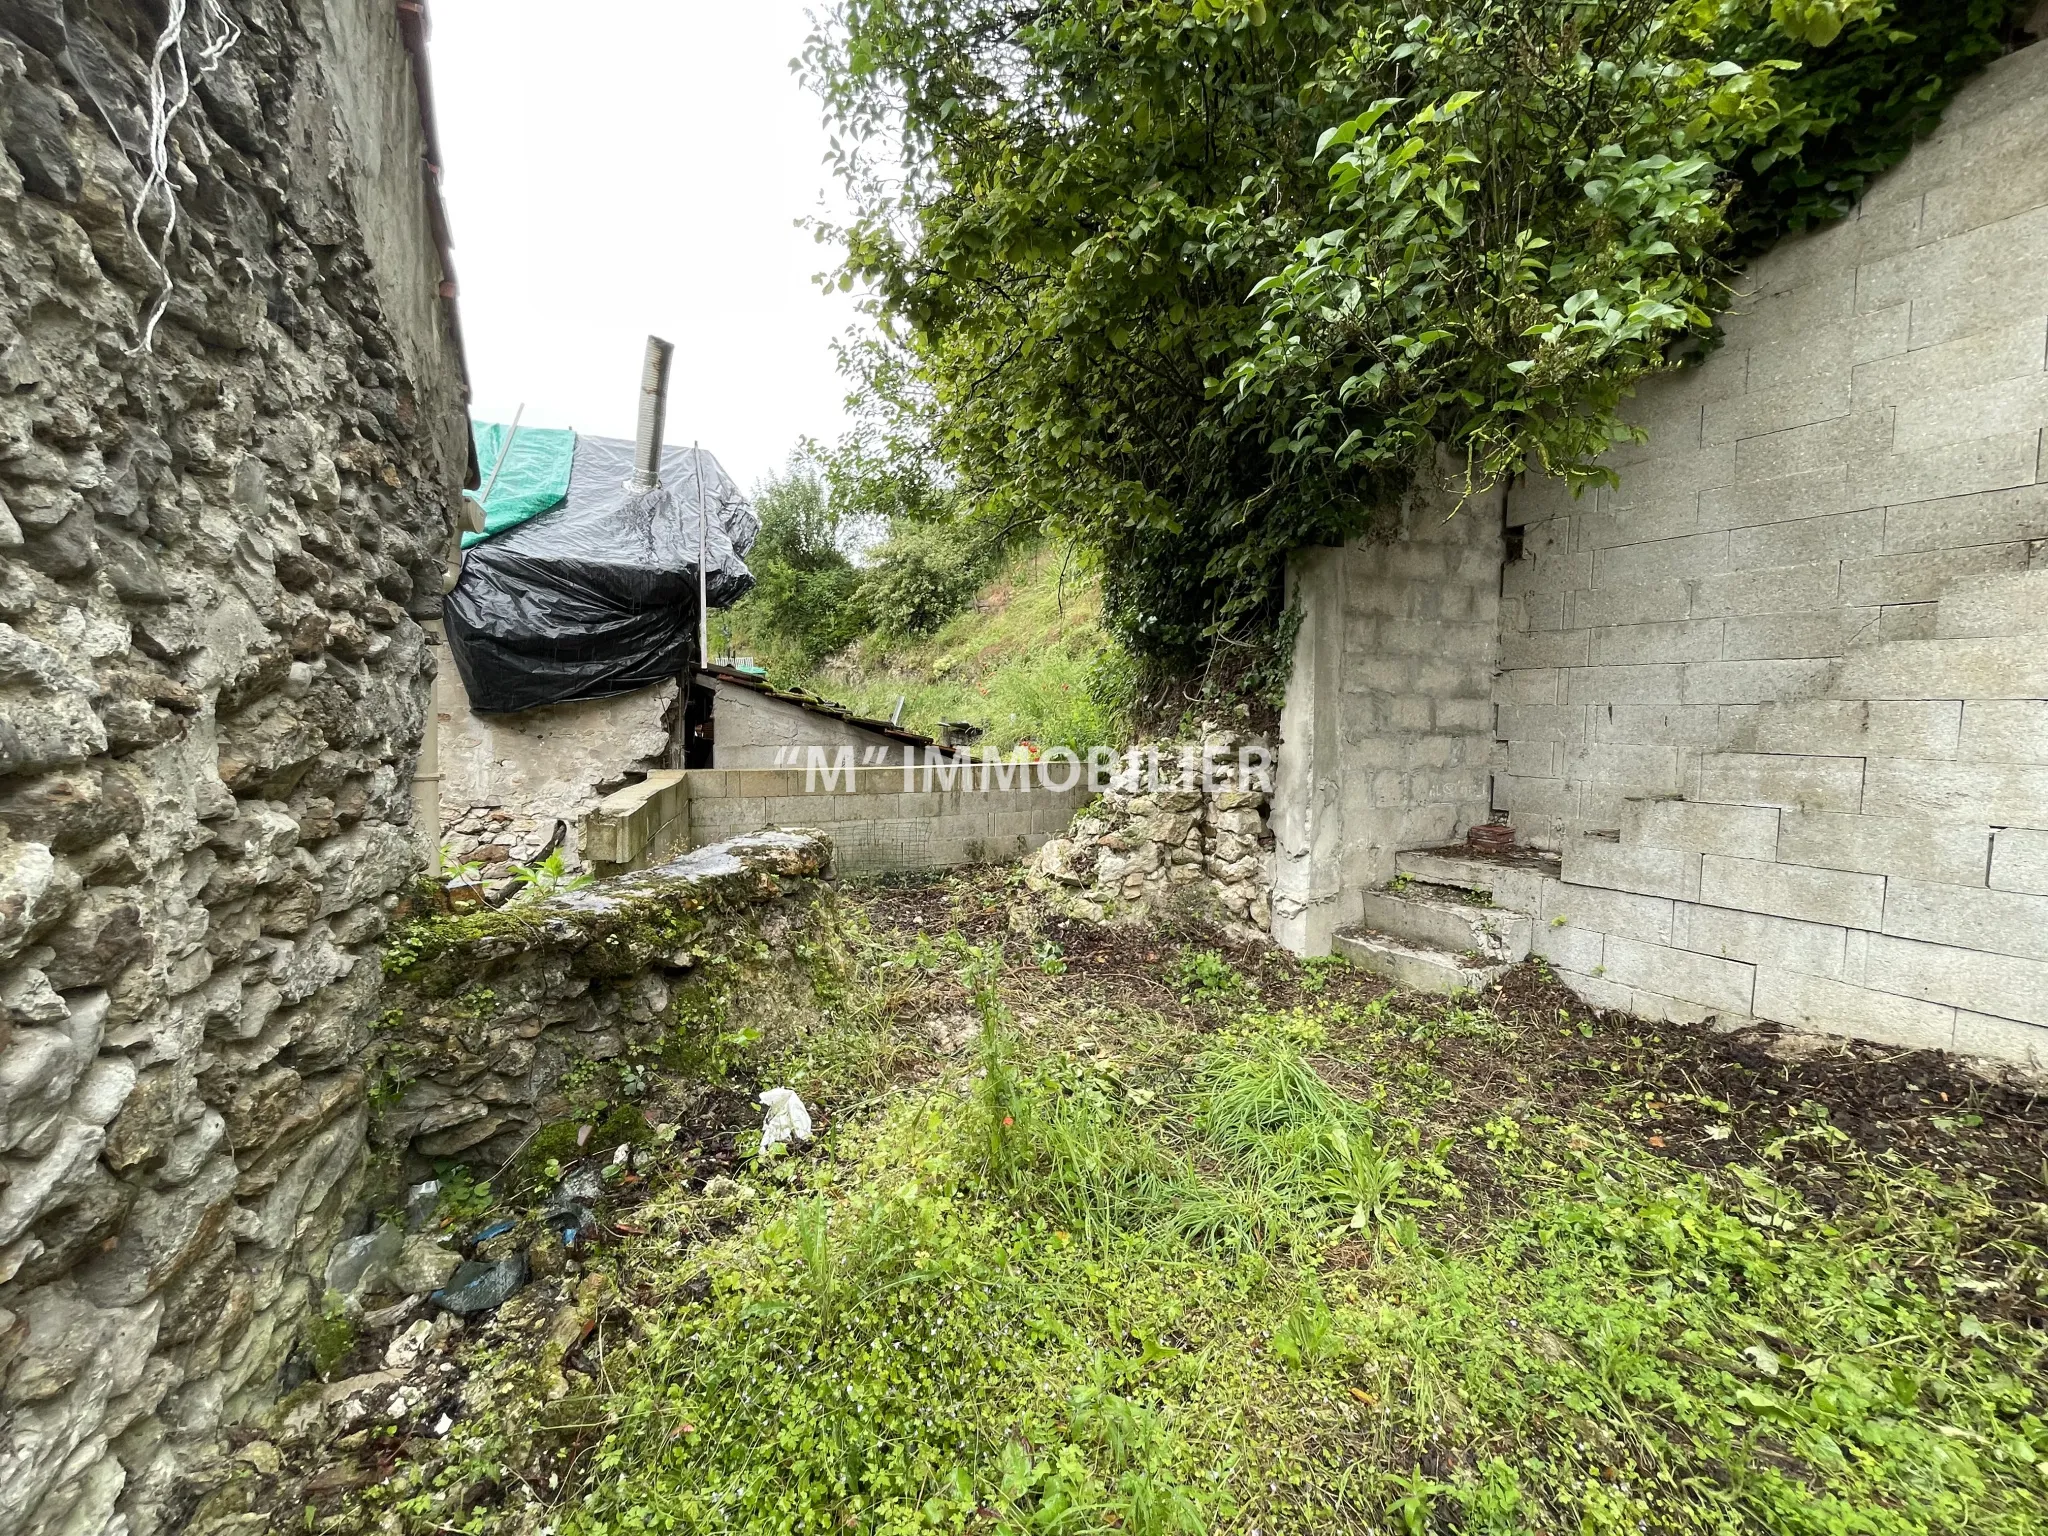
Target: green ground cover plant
{"points": [[1097, 1249]]}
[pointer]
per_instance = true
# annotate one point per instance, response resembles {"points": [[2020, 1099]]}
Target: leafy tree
{"points": [[804, 604], [1202, 281]]}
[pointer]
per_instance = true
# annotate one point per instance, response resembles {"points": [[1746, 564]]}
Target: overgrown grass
{"points": [[1022, 661], [1227, 1279]]}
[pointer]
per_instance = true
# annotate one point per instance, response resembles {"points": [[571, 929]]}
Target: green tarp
{"points": [[533, 480]]}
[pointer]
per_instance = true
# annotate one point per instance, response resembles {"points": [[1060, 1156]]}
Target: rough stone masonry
{"points": [[214, 554]]}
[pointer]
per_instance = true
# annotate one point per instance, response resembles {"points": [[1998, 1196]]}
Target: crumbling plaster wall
{"points": [[510, 782], [213, 558]]}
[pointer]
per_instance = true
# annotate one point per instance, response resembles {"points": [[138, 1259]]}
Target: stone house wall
{"points": [[1780, 701], [214, 556]]}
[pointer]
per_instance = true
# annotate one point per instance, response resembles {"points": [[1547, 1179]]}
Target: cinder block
{"points": [[2004, 731], [1844, 728], [1471, 716], [1679, 725], [1624, 685], [1974, 793], [1560, 572], [1808, 494], [2004, 985], [1666, 517], [1839, 1008], [1790, 636], [1634, 769], [1814, 948], [1646, 919], [1849, 440], [1957, 469], [1373, 672], [1811, 588], [1662, 560], [1666, 601], [1924, 576], [1571, 948], [1598, 991], [1530, 685], [2019, 860], [2010, 351], [2008, 603], [1989, 411], [2003, 667], [1842, 897], [1752, 682], [1545, 648], [1679, 640], [1708, 980], [1807, 540], [1737, 831], [1886, 845], [1906, 621], [2001, 922], [1644, 871], [1979, 1034], [1823, 397], [1954, 522], [1794, 782]]}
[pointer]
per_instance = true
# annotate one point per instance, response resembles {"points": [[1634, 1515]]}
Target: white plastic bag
{"points": [[787, 1119]]}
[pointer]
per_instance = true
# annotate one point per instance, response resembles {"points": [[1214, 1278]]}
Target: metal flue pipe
{"points": [[653, 413]]}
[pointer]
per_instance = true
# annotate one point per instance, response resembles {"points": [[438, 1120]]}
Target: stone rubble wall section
{"points": [[213, 559], [498, 1007], [1781, 699], [1140, 848]]}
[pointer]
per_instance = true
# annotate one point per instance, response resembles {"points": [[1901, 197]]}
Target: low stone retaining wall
{"points": [[1177, 825], [880, 817], [489, 1011]]}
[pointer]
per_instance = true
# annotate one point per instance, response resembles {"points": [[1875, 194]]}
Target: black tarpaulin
{"points": [[598, 596]]}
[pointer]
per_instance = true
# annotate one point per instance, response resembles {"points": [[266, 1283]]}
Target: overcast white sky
{"points": [[617, 167]]}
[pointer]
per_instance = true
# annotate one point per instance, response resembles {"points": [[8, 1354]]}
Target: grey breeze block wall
{"points": [[212, 558], [1386, 738], [1781, 700]]}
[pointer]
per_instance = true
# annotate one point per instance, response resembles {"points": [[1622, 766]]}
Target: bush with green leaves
{"points": [[1202, 283], [805, 602]]}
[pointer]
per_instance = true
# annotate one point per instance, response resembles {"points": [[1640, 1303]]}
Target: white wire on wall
{"points": [[170, 91]]}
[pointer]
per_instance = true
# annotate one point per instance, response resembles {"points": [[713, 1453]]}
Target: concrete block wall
{"points": [[1387, 735], [1780, 699], [875, 822]]}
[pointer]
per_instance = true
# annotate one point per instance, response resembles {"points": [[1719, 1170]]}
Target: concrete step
{"points": [[1515, 882], [1418, 967], [1443, 917]]}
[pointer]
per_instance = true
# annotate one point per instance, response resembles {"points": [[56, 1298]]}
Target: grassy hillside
{"points": [[1022, 661]]}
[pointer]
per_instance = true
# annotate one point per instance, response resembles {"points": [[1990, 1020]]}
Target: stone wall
{"points": [[1386, 740], [1781, 700], [490, 1010], [214, 554], [1166, 835]]}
